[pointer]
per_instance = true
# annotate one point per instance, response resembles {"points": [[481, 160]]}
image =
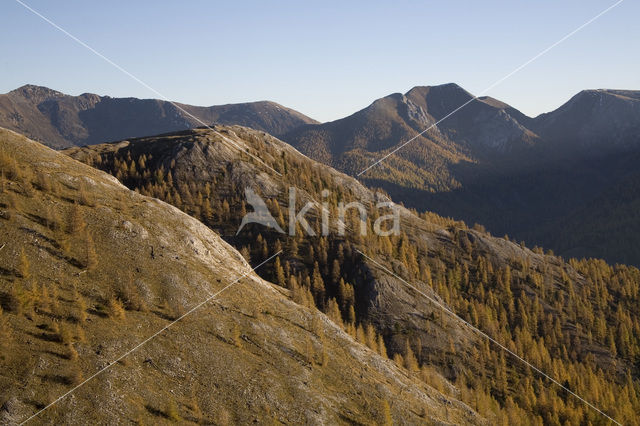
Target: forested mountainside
{"points": [[97, 278], [60, 120], [578, 321], [488, 163]]}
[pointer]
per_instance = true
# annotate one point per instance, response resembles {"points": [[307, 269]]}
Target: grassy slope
{"points": [[560, 299], [250, 355]]}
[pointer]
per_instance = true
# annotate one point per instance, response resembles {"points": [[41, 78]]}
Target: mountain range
{"points": [[490, 164], [61, 121], [546, 180]]}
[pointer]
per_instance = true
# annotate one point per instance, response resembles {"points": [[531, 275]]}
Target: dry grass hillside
{"points": [[90, 269], [577, 320]]}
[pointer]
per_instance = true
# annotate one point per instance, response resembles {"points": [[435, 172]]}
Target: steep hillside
{"points": [[573, 320], [60, 120], [94, 276], [489, 163]]}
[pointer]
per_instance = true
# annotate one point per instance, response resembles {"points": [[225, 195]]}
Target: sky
{"points": [[325, 59]]}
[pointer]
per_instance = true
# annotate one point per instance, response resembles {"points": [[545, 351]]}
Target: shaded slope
{"points": [[607, 227], [593, 123]]}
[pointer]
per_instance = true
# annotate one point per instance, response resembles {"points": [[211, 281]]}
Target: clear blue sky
{"points": [[326, 59]]}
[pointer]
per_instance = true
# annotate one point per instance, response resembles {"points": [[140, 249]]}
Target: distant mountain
{"points": [[488, 162], [482, 126], [61, 120], [593, 122]]}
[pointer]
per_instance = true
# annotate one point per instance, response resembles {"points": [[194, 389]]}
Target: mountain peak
{"points": [[596, 94], [35, 92], [439, 100], [445, 89], [593, 122], [450, 86]]}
